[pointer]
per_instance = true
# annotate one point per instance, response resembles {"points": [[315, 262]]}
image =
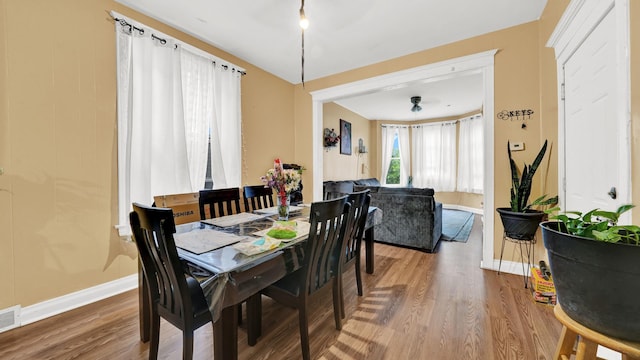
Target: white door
{"points": [[592, 161]]}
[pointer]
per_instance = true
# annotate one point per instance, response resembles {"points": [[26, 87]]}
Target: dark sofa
{"points": [[410, 216]]}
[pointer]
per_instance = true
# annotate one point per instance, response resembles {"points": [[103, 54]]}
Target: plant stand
{"points": [[527, 248]]}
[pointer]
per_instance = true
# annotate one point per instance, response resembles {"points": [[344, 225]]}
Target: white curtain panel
{"points": [[388, 134], [434, 155], [198, 100], [151, 142], [405, 154], [471, 155], [226, 129]]}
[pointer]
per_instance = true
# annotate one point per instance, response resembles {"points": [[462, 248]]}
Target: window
{"points": [[393, 174], [168, 95], [395, 154]]}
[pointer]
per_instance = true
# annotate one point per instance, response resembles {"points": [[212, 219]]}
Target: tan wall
{"points": [[338, 166], [58, 144]]}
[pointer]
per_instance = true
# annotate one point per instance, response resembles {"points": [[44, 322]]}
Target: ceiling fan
{"points": [[415, 100]]}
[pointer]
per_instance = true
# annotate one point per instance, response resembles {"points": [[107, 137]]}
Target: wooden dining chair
{"points": [[219, 202], [257, 197], [174, 295], [320, 267], [353, 238]]}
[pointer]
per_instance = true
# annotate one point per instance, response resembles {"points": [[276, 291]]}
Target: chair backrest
{"points": [[355, 230], [333, 190], [257, 197], [219, 202], [328, 220], [153, 230]]}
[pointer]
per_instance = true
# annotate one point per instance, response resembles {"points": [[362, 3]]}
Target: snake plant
{"points": [[521, 183]]}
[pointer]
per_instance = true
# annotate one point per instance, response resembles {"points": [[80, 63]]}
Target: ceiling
{"points": [[345, 35]]}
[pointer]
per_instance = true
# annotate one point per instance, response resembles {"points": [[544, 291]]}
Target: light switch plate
{"points": [[518, 146]]}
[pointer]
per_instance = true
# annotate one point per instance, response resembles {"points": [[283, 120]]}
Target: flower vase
{"points": [[283, 203]]}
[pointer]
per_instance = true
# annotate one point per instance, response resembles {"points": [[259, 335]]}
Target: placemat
{"points": [[202, 241], [231, 220], [274, 210]]}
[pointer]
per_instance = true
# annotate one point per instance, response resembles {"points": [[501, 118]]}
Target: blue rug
{"points": [[456, 225]]}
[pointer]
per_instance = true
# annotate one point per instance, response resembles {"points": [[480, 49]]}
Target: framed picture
{"points": [[345, 137]]}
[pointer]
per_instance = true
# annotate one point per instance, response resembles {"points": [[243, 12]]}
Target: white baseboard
{"points": [[48, 308], [509, 267], [464, 208]]}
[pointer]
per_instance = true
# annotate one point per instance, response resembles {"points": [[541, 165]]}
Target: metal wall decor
{"points": [[516, 115]]}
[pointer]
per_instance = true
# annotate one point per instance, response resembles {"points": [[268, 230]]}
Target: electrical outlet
{"points": [[518, 146]]}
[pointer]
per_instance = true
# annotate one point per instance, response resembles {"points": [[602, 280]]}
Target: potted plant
{"points": [[596, 269], [521, 219]]}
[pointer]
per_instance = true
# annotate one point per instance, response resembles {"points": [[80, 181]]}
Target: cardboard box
{"points": [[542, 289], [185, 206], [540, 284]]}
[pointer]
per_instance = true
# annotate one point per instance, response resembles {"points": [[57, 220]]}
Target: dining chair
{"points": [[219, 202], [257, 197], [353, 238], [337, 189], [174, 295], [320, 267]]}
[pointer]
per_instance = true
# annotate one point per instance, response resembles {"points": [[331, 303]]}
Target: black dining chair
{"points": [[219, 202], [257, 197], [320, 268], [174, 295], [353, 238], [337, 189]]}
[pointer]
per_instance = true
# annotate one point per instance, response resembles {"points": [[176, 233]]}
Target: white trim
{"points": [[509, 267], [575, 25], [463, 208], [483, 62], [77, 299]]}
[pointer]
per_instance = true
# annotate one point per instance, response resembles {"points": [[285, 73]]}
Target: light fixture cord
{"points": [[302, 57]]}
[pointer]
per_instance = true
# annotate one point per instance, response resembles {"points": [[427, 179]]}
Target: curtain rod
{"points": [[163, 41]]}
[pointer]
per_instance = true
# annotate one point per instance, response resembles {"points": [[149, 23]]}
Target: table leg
{"points": [[225, 335], [254, 318], [368, 249]]}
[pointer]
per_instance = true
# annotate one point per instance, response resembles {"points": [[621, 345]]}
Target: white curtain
{"points": [[167, 101], [405, 154], [471, 155], [197, 94], [226, 142], [388, 135], [434, 155], [152, 151]]}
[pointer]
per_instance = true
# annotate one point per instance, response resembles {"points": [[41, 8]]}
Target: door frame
{"points": [[578, 21], [483, 62]]}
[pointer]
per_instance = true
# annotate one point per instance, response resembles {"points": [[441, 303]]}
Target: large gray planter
{"points": [[597, 283]]}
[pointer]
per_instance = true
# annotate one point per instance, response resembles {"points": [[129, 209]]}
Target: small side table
{"points": [[527, 249], [589, 341]]}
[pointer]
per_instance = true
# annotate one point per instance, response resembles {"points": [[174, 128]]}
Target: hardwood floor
{"points": [[416, 306]]}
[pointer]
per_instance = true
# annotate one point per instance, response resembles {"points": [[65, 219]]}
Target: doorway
{"points": [[483, 62]]}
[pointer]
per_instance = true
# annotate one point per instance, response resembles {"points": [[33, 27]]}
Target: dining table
{"points": [[231, 275]]}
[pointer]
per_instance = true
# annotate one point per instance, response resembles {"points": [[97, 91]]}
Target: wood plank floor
{"points": [[416, 306]]}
